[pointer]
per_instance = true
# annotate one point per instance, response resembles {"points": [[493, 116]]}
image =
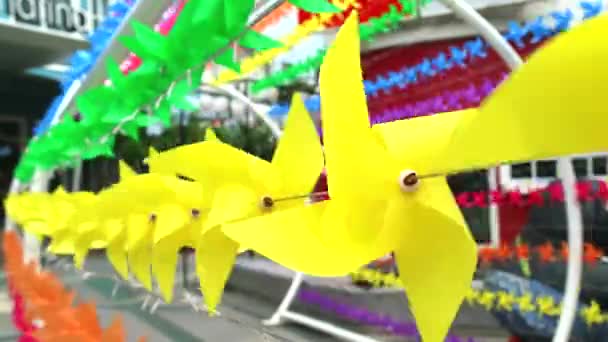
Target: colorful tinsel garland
{"points": [[259, 59], [39, 296], [545, 252], [500, 300], [386, 22], [476, 49], [365, 317]]}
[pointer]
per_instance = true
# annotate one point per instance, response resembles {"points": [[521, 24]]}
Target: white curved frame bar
{"points": [[573, 214]]}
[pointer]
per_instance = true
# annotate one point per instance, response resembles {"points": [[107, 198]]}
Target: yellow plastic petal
{"points": [[210, 135], [353, 225], [140, 261], [65, 247], [164, 263], [213, 164], [36, 227], [232, 202], [115, 251], [125, 171], [170, 219], [299, 156], [290, 238], [353, 155], [420, 144], [87, 233], [138, 228], [436, 256], [215, 256]]}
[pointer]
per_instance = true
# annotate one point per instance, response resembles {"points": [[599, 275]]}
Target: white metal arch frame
{"points": [[574, 218]]}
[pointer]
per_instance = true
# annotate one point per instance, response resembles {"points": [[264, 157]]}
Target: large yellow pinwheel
{"points": [[238, 186], [387, 185], [377, 205]]}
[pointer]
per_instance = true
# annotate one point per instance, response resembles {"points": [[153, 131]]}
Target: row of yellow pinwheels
{"points": [[387, 183]]}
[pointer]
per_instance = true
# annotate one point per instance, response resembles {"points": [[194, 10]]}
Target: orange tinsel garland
{"points": [[48, 301]]}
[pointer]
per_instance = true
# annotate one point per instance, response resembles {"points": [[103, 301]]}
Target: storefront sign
{"points": [[63, 15]]}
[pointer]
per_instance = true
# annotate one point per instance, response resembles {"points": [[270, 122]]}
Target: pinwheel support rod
{"points": [[282, 311], [573, 214]]}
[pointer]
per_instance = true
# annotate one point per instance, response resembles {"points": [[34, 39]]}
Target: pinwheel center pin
{"points": [[152, 218], [77, 117], [266, 202], [408, 181], [196, 213]]}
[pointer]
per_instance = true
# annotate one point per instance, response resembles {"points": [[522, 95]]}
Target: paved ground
{"points": [[240, 320]]}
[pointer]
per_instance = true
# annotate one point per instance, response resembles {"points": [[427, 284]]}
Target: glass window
{"points": [[523, 170], [546, 168], [600, 166], [581, 167]]}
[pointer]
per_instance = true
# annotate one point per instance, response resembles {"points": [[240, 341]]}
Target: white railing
{"points": [[68, 16]]}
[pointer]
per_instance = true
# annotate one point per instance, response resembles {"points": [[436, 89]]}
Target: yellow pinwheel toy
{"points": [[151, 216], [238, 186], [177, 224], [63, 238], [32, 211], [377, 205], [387, 183]]}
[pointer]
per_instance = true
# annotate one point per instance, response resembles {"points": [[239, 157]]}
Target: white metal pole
{"points": [[494, 219], [77, 176], [573, 214], [263, 115], [296, 281]]}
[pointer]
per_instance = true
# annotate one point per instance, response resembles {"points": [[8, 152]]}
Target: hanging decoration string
{"points": [[452, 100]]}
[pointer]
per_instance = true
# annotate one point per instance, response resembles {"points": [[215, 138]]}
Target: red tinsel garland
{"points": [[534, 198], [368, 9]]}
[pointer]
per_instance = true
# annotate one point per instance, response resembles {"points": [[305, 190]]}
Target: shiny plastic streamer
{"points": [[546, 253], [533, 32], [276, 15], [41, 298], [496, 300], [259, 59], [384, 23], [363, 316]]}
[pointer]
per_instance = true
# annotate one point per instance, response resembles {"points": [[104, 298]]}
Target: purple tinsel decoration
{"points": [[365, 317], [468, 97]]}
